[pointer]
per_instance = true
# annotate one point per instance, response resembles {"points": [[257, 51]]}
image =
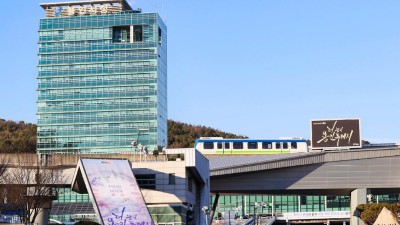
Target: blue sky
{"points": [[259, 68]]}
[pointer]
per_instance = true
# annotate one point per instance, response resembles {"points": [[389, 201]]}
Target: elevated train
{"points": [[216, 145]]}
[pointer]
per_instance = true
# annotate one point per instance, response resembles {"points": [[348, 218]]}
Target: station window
{"points": [[293, 145], [237, 145], [171, 178], [146, 181], [278, 145], [227, 145], [208, 145], [190, 183], [219, 145], [252, 145], [285, 145], [267, 145], [303, 200]]}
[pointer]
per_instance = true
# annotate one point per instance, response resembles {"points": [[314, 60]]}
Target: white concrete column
{"points": [[131, 34], [43, 217], [326, 203], [358, 196], [299, 203]]}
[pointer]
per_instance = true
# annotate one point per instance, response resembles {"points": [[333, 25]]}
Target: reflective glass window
{"points": [[237, 145], [208, 145], [266, 145], [252, 145]]}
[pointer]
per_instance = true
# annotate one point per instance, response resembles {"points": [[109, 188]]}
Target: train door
{"points": [[227, 148], [278, 146]]}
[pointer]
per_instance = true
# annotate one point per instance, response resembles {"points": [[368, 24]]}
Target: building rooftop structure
{"points": [[81, 8]]}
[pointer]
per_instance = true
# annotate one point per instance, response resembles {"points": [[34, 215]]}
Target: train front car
{"points": [[250, 146]]}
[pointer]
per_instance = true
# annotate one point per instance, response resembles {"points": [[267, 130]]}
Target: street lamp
{"points": [[135, 143], [256, 205], [206, 211]]}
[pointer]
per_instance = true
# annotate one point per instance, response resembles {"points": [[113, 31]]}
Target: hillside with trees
{"points": [[183, 135], [20, 137], [17, 137]]}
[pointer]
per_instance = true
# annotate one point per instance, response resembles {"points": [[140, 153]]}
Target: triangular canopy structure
{"points": [[113, 190], [386, 217]]}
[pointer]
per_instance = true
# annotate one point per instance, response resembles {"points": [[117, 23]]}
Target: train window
{"points": [[227, 145], [219, 145], [293, 145], [278, 145], [285, 145], [237, 145], [208, 145], [267, 145], [252, 145]]}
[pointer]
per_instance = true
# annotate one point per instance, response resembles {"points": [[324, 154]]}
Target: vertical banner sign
{"points": [[115, 193], [339, 133]]}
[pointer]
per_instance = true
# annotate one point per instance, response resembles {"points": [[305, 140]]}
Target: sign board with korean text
{"points": [[335, 134], [114, 192]]}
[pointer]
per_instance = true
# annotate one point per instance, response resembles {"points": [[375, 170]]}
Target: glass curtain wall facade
{"points": [[244, 204], [102, 83], [277, 204]]}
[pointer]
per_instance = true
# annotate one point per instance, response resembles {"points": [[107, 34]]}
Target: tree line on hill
{"points": [[17, 137], [183, 135], [20, 137]]}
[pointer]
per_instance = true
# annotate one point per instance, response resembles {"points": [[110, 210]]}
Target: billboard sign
{"points": [[335, 133], [115, 193]]}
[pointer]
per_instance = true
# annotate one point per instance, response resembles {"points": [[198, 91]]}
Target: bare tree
{"points": [[3, 166], [4, 163], [30, 187]]}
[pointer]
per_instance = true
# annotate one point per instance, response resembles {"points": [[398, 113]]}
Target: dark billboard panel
{"points": [[335, 133]]}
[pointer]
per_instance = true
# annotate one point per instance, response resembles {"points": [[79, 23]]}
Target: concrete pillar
{"points": [[131, 34], [203, 200], [43, 217], [299, 203], [358, 196]]}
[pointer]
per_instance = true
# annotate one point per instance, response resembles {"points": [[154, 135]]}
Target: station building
{"points": [[175, 186]]}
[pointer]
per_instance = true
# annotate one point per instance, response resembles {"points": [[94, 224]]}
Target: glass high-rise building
{"points": [[102, 81]]}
